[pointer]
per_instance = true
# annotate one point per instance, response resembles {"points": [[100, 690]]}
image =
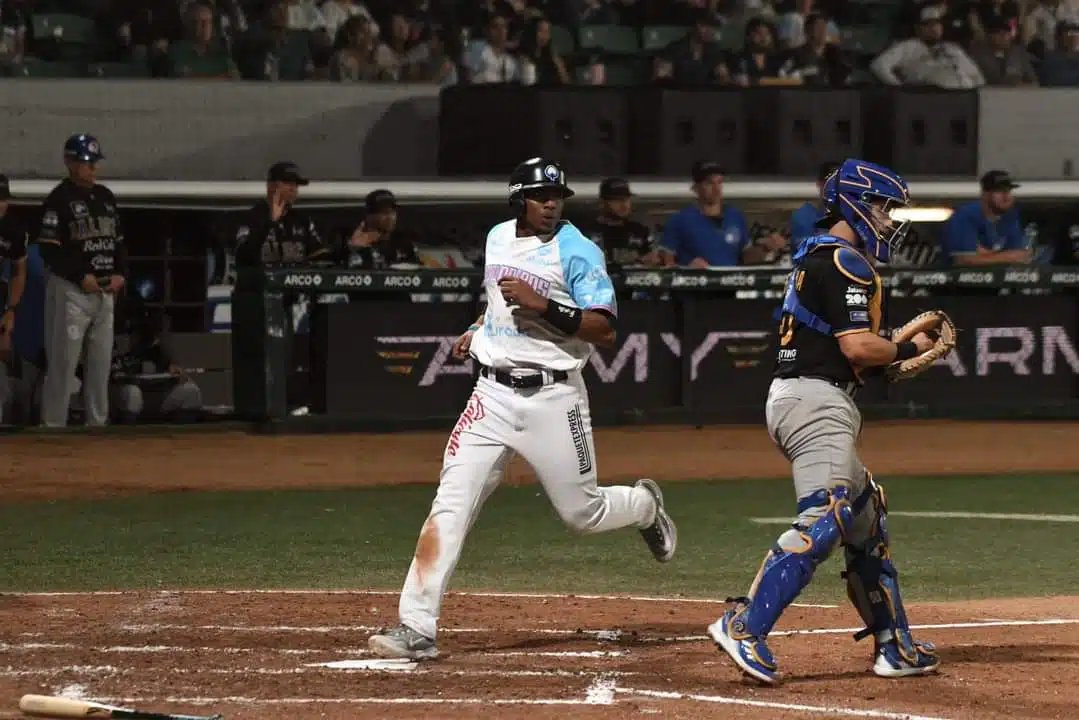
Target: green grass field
{"points": [[365, 538]]}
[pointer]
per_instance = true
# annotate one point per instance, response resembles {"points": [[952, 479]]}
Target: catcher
{"points": [[828, 337]]}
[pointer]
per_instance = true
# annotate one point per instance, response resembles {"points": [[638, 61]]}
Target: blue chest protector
{"points": [[792, 305]]}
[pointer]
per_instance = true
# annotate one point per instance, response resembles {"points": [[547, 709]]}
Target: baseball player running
{"points": [[828, 335], [82, 244], [549, 301]]}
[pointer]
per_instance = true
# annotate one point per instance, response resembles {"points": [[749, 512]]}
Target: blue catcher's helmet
{"points": [[864, 195], [83, 148]]}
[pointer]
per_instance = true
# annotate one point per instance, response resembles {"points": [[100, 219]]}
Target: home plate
{"points": [[393, 665]]}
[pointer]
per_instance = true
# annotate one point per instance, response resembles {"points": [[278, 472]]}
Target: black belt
{"points": [[850, 387], [524, 382]]}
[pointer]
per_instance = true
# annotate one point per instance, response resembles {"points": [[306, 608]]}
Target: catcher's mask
{"points": [[866, 195]]}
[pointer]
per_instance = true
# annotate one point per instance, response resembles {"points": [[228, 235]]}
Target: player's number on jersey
{"points": [[786, 329]]}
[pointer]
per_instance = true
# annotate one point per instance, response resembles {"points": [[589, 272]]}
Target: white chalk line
{"points": [[946, 515], [376, 593], [14, 647], [794, 707], [113, 671]]}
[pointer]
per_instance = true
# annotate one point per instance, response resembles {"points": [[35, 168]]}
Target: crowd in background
{"points": [[944, 43]]}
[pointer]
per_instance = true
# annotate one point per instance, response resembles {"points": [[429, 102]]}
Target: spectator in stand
{"points": [[804, 220], [305, 15], [277, 52], [540, 64], [360, 57], [709, 234], [793, 30], [695, 59], [1040, 24], [1060, 67], [927, 59], [759, 60], [143, 32], [624, 241], [14, 19], [201, 55], [818, 62], [398, 43], [490, 60], [987, 231], [432, 61], [336, 12], [999, 59]]}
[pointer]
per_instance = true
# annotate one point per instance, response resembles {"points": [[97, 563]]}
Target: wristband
{"points": [[905, 351], [473, 328], [563, 317]]}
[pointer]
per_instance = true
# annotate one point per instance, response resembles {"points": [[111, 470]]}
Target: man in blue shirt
{"points": [[987, 231], [804, 219], [708, 234]]}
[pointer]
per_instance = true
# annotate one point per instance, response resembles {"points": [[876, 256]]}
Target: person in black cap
{"points": [[987, 231], [709, 233], [376, 244], [272, 231], [624, 241]]}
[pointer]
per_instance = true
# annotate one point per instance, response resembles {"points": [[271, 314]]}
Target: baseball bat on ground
{"points": [[58, 707]]}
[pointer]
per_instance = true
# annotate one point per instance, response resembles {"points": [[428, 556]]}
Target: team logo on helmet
{"points": [[93, 147], [552, 173]]}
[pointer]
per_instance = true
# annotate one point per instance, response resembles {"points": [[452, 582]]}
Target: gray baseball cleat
{"points": [[662, 535], [403, 642]]}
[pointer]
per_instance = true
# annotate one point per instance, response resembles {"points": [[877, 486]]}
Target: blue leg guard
{"points": [[873, 588], [825, 518]]}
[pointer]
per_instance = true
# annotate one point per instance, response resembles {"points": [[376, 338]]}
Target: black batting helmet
{"points": [[537, 173]]}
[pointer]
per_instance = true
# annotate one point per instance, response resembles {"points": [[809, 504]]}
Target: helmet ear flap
{"points": [[517, 203]]}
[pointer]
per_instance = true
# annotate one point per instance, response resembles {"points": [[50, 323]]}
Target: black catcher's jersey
{"points": [[838, 285]]}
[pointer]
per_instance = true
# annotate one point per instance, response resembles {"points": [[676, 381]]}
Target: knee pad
{"points": [[873, 581], [824, 519]]}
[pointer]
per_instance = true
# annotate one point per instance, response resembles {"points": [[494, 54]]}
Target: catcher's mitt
{"points": [[939, 327]]}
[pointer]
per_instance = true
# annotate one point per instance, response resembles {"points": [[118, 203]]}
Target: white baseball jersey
{"points": [[569, 269]]}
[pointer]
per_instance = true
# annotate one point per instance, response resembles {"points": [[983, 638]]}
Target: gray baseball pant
{"points": [[78, 326]]}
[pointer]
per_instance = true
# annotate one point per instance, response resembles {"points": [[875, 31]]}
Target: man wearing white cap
{"points": [[927, 59]]}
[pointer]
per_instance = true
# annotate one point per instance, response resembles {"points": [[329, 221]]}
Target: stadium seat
{"points": [[864, 39], [656, 37], [64, 36], [562, 41], [32, 68], [618, 72], [608, 38], [118, 70]]}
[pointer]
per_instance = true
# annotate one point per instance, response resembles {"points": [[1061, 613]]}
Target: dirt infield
{"points": [[50, 467], [263, 654]]}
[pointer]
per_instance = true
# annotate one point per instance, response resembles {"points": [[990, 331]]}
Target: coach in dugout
{"points": [[273, 231], [710, 233], [624, 241], [82, 244], [987, 231]]}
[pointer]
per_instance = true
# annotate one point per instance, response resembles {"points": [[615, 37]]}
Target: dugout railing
{"points": [[694, 347]]}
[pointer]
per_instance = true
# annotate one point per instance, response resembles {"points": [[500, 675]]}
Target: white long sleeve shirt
{"points": [[913, 62]]}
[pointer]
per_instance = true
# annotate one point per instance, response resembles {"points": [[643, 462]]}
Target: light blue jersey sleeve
{"points": [[585, 269]]}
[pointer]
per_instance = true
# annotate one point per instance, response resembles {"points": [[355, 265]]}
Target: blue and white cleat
{"points": [[750, 654], [919, 658]]}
